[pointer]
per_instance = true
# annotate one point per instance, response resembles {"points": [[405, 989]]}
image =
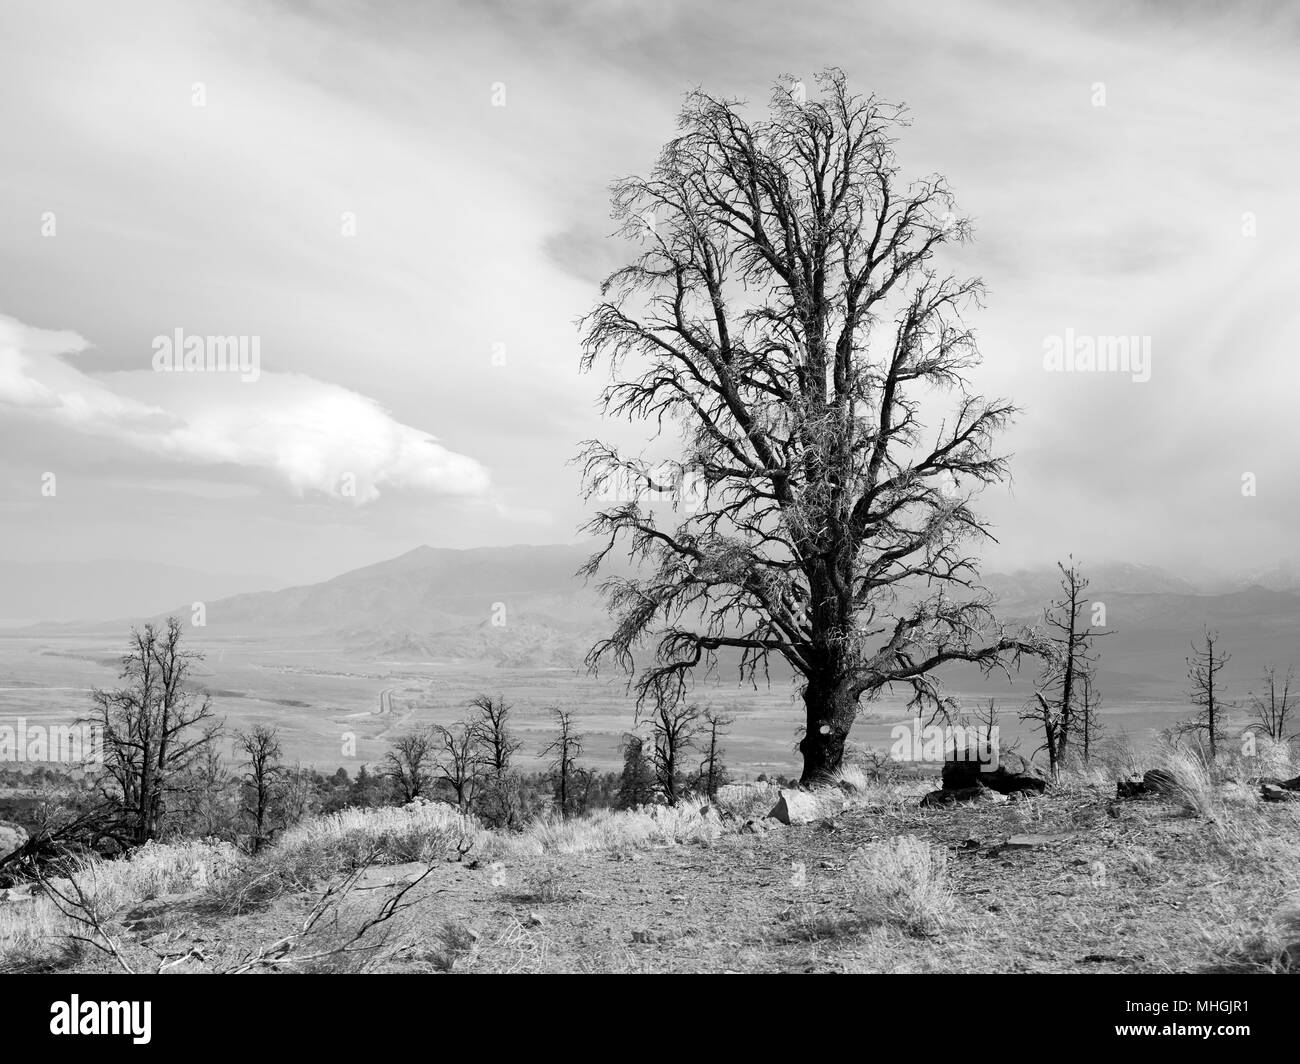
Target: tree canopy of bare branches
{"points": [[1275, 707], [409, 763], [459, 760], [155, 728], [1203, 668], [787, 314], [261, 760], [565, 749], [1064, 704]]}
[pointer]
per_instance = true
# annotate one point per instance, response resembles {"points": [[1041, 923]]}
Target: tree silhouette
{"points": [[787, 314]]}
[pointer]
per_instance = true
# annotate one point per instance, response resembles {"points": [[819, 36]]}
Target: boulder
{"points": [[942, 798], [1013, 775], [1158, 781], [12, 837], [795, 807], [1133, 787]]}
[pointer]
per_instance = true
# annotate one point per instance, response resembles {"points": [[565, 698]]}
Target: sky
{"points": [[406, 207]]}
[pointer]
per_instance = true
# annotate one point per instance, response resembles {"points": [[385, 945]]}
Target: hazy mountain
{"points": [[1028, 591], [526, 606], [94, 590], [426, 590]]}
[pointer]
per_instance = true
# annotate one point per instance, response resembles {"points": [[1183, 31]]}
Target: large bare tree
{"points": [[787, 313]]}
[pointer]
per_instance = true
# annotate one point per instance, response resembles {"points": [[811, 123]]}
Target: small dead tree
{"points": [[1054, 707], [458, 761], [636, 784], [1203, 669], [565, 749], [1090, 726], [262, 769], [208, 805], [1046, 716], [674, 725], [984, 718], [153, 729], [713, 773], [500, 802], [1274, 708], [295, 795], [409, 764]]}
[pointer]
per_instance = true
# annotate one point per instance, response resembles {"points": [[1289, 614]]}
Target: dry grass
{"points": [[323, 847], [689, 823], [903, 881], [30, 930]]}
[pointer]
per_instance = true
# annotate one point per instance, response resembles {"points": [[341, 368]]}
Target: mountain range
{"points": [[524, 606]]}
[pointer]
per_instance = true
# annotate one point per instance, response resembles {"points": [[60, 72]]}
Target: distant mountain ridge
{"points": [[526, 606], [93, 590]]}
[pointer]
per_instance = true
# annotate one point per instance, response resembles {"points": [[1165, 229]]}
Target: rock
{"points": [[12, 837], [1013, 775], [1275, 792], [1026, 842], [1129, 788], [1158, 781], [942, 798], [795, 807], [977, 793]]}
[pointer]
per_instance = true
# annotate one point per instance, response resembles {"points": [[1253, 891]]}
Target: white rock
{"points": [[795, 807]]}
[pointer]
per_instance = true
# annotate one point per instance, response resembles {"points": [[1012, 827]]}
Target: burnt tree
{"points": [[787, 312], [155, 729]]}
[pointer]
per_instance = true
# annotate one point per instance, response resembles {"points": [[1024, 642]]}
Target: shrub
{"points": [[327, 846], [903, 881]]}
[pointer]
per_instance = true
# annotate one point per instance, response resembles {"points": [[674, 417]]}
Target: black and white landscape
{"points": [[649, 487]]}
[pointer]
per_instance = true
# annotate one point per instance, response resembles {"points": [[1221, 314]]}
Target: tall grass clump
{"points": [[903, 881], [1193, 782], [29, 929], [326, 846], [607, 829]]}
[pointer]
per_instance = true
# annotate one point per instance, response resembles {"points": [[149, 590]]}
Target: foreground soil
{"points": [[1086, 884]]}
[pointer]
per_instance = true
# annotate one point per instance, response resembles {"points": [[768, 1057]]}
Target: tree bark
{"points": [[830, 711]]}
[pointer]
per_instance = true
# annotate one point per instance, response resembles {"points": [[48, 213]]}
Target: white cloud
{"points": [[310, 435]]}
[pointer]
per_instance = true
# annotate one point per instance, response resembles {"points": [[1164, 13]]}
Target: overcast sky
{"points": [[127, 212]]}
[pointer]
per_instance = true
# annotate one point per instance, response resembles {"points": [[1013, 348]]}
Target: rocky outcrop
{"points": [[1156, 781], [1013, 775], [1280, 792], [941, 798]]}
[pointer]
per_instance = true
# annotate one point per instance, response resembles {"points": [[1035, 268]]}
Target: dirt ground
{"points": [[1086, 884]]}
